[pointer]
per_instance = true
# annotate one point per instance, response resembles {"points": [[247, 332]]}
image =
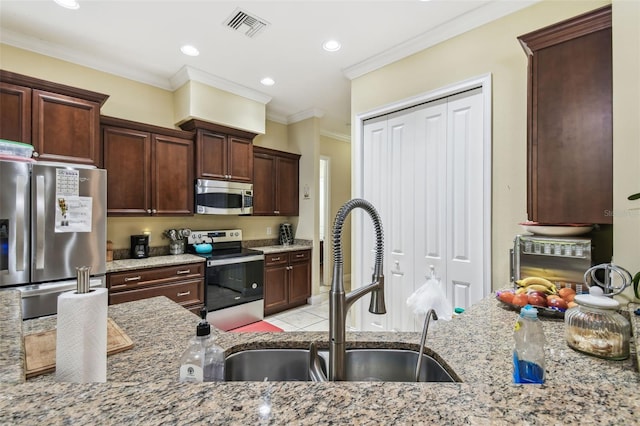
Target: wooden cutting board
{"points": [[40, 348]]}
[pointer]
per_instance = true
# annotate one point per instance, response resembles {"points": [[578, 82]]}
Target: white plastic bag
{"points": [[431, 295]]}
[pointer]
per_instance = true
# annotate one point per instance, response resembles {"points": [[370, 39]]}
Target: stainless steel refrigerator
{"points": [[52, 220]]}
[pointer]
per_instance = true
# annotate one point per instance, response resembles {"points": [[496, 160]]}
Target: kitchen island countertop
{"points": [[142, 382]]}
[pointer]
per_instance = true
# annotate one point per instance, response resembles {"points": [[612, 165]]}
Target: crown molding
{"points": [[303, 115], [461, 24], [338, 136], [187, 73], [56, 51], [276, 117]]}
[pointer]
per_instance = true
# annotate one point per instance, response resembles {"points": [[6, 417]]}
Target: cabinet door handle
{"points": [[186, 293], [184, 271], [276, 211], [149, 211], [127, 279], [154, 211]]}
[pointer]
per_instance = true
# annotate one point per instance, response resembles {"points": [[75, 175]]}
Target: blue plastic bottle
{"points": [[528, 355]]}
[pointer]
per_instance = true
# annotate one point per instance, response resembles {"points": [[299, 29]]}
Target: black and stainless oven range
{"points": [[234, 288]]}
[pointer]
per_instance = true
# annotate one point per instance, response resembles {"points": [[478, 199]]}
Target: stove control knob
{"points": [[254, 285]]}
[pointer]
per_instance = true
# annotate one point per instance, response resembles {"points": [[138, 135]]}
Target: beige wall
{"points": [[275, 137], [147, 104], [303, 138], [339, 153], [127, 99], [198, 100], [493, 48], [626, 134]]}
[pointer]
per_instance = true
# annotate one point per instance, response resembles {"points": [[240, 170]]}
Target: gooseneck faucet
{"points": [[339, 302]]}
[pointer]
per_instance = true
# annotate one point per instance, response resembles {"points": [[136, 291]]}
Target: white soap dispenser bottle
{"points": [[203, 360]]}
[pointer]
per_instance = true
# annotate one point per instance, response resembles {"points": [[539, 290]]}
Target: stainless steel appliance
{"points": [[139, 248], [561, 260], [234, 293], [52, 220], [222, 197]]}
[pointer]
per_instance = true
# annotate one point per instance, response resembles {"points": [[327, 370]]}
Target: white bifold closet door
{"points": [[422, 170]]}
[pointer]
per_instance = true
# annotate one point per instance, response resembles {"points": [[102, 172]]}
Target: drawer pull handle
{"points": [[299, 255], [184, 271], [118, 286], [275, 259], [127, 279], [186, 293]]}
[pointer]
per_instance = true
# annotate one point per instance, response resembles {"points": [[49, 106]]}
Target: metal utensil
{"points": [[173, 235], [610, 286]]}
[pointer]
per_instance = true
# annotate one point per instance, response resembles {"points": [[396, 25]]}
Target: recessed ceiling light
{"points": [[331, 45], [69, 4], [268, 81], [187, 49]]}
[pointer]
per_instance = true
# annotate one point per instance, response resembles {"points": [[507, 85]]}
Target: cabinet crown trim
{"points": [[268, 151], [143, 127], [49, 86], [195, 124], [581, 25]]}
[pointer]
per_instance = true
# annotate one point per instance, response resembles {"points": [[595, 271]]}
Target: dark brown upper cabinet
{"points": [[222, 153], [275, 182], [61, 122], [569, 118], [149, 169]]}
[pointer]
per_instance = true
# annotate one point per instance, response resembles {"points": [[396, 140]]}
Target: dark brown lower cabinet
{"points": [[184, 284], [287, 280]]}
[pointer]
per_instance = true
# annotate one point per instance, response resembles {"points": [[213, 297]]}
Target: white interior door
{"points": [[423, 170], [465, 262], [430, 212], [374, 159], [398, 216]]}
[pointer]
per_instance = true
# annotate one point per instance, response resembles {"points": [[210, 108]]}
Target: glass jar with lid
{"points": [[594, 327]]}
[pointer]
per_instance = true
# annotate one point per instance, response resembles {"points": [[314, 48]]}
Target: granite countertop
{"points": [[152, 262], [476, 346], [282, 248], [178, 259]]}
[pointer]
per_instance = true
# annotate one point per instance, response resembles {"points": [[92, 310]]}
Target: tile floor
{"points": [[305, 318]]}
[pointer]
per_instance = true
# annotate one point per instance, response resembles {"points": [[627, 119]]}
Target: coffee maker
{"points": [[139, 246]]}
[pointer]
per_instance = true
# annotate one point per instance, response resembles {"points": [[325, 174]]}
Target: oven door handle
{"points": [[235, 260]]}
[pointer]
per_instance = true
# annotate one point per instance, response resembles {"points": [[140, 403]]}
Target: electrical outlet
{"points": [[269, 230]]}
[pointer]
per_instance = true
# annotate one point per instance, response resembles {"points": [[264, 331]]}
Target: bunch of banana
{"points": [[536, 284]]}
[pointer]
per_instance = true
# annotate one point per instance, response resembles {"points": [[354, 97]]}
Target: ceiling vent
{"points": [[244, 22]]}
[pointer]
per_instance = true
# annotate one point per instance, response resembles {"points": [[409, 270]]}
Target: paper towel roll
{"points": [[81, 341]]}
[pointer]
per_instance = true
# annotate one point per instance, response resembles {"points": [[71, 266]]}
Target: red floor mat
{"points": [[257, 327]]}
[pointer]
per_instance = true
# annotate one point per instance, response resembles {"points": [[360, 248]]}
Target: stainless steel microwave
{"points": [[222, 197]]}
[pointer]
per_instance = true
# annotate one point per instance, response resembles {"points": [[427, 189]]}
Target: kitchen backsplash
{"points": [[119, 254]]}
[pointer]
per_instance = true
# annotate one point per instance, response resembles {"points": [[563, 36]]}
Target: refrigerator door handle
{"points": [[40, 221], [49, 288], [21, 185], [40, 290]]}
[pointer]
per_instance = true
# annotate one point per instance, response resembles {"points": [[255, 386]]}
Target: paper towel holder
{"points": [[83, 284]]}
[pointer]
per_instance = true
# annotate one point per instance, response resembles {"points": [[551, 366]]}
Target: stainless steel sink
{"points": [[273, 364], [390, 365]]}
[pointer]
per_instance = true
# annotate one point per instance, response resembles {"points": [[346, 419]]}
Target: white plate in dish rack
{"points": [[557, 230]]}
